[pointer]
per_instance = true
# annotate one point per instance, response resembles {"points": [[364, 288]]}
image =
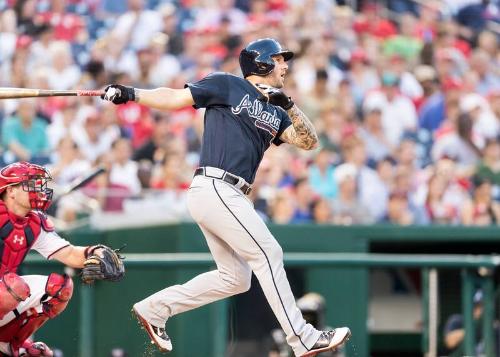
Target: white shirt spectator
{"points": [[65, 79], [373, 193], [142, 28], [454, 147], [398, 115], [126, 175]]}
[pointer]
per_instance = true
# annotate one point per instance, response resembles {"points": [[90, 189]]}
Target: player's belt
{"points": [[225, 176]]}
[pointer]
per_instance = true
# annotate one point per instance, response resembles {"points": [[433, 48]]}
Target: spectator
{"points": [[392, 104], [90, 136], [489, 167], [398, 210], [481, 210], [437, 209], [370, 190], [373, 135], [171, 175], [321, 175], [63, 73], [433, 110], [282, 208], [137, 25], [68, 165], [303, 200], [346, 208], [321, 211], [24, 135], [458, 143], [124, 171]]}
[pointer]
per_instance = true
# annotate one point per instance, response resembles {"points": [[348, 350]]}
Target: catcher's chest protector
{"points": [[17, 235]]}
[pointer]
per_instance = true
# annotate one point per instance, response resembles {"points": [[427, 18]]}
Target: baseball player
{"points": [[243, 117], [27, 302]]}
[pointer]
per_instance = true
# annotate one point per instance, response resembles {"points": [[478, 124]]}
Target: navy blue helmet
{"points": [[256, 57]]}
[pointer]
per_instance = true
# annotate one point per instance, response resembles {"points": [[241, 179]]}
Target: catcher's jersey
{"points": [[240, 124]]}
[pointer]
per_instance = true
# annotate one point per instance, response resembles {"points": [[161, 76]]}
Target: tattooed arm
{"points": [[301, 133]]}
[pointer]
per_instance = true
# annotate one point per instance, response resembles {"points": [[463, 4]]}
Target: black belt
{"points": [[227, 177]]}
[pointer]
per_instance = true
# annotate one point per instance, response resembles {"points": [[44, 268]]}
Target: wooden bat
{"points": [[12, 93], [79, 183]]}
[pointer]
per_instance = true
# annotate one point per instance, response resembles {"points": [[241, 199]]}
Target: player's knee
{"points": [[244, 283], [60, 289], [13, 290]]}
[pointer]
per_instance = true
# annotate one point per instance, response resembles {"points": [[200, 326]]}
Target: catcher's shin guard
{"points": [[60, 289], [13, 290]]}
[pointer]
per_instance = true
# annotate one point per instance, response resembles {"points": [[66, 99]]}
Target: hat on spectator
{"points": [[445, 54], [345, 171], [167, 9], [452, 83], [358, 55], [390, 79], [472, 101], [425, 73], [342, 11]]}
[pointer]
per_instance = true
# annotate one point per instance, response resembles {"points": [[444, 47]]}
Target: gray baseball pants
{"points": [[240, 243]]}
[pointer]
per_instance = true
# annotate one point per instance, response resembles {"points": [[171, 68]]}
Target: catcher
{"points": [[27, 302]]}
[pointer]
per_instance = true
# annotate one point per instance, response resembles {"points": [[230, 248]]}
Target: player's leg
{"points": [[49, 297], [13, 290], [241, 227], [232, 276]]}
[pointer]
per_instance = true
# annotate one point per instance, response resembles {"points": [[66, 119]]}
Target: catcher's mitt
{"points": [[107, 265]]}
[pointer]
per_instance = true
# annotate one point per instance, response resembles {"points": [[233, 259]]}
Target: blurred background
{"points": [[405, 96]]}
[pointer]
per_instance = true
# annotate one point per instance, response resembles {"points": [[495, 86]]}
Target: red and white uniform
{"points": [[18, 235]]}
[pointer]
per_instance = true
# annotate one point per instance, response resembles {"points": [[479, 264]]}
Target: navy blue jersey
{"points": [[239, 123]]}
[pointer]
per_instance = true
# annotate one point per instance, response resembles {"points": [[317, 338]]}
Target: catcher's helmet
{"points": [[33, 179], [256, 57]]}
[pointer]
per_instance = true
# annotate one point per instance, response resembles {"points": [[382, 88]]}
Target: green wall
{"points": [[346, 290]]}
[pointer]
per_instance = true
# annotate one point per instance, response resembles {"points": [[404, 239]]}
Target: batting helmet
{"points": [[33, 179], [256, 57]]}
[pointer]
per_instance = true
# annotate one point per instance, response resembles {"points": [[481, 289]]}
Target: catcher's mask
{"points": [[32, 178], [257, 57]]}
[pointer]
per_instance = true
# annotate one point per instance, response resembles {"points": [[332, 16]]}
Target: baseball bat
{"points": [[12, 93], [76, 185]]}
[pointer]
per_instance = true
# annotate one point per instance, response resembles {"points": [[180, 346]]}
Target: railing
{"points": [[429, 265]]}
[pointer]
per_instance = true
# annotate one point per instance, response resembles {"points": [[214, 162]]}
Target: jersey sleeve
{"points": [[49, 243], [210, 91], [285, 123]]}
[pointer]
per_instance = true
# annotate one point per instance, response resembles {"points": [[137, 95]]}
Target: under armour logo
{"points": [[18, 239]]}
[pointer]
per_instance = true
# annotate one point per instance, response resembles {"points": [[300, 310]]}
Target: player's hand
{"points": [[277, 97], [118, 94]]}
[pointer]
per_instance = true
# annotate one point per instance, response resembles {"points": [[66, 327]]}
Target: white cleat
{"points": [[157, 334], [329, 341]]}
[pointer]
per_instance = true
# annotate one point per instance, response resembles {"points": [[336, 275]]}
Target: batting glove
{"points": [[277, 97], [118, 94]]}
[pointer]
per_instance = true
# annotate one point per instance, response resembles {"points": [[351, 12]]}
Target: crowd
{"points": [[405, 96]]}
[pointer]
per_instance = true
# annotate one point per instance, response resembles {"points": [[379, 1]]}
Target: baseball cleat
{"points": [[329, 341], [157, 334]]}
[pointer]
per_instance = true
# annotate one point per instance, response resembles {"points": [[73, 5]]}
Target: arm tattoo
{"points": [[304, 135]]}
